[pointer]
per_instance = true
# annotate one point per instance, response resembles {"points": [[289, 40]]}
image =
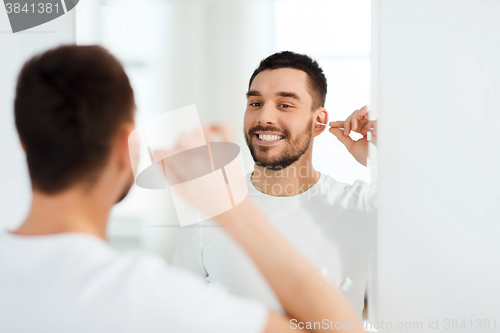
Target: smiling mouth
{"points": [[265, 137], [268, 139]]}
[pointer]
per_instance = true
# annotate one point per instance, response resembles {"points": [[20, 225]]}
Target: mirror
{"points": [[179, 53]]}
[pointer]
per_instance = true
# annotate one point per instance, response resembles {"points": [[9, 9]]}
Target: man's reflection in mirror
{"points": [[325, 220]]}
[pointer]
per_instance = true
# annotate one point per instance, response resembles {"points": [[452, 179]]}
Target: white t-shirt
{"points": [[73, 282], [330, 224]]}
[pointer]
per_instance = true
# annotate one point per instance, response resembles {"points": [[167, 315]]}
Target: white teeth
{"points": [[270, 137]]}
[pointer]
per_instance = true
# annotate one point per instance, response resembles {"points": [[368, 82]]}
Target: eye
{"points": [[255, 104], [285, 106]]}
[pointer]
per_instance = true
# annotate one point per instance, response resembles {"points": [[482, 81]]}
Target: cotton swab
{"points": [[368, 134], [321, 123]]}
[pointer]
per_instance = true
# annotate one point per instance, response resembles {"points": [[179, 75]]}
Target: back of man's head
{"points": [[70, 103], [288, 59]]}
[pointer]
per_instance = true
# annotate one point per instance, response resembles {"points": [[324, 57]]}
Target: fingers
{"points": [[218, 132], [210, 134], [347, 126], [374, 139], [166, 168], [366, 127], [373, 130], [187, 140], [337, 124], [362, 113], [356, 121], [169, 172], [159, 154], [351, 123], [224, 130], [345, 139], [180, 167], [359, 117]]}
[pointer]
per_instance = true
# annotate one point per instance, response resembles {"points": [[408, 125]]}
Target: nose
{"points": [[267, 115]]}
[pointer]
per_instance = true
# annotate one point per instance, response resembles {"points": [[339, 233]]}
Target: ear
{"points": [[23, 146], [320, 116], [123, 146]]}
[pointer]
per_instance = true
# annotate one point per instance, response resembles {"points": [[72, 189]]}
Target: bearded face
{"points": [[279, 117], [277, 148]]}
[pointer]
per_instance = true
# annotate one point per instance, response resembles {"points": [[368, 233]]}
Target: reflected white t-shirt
{"points": [[330, 224], [73, 282]]}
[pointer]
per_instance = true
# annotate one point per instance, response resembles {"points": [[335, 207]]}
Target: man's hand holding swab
{"points": [[357, 122]]}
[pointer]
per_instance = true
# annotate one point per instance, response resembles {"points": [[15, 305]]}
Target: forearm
{"points": [[303, 292]]}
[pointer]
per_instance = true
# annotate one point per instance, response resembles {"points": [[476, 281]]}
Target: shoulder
{"points": [[124, 268], [186, 301], [348, 195], [333, 186], [139, 291], [143, 279]]}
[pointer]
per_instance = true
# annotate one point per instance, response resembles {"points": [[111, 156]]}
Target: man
{"points": [[326, 221], [74, 111]]}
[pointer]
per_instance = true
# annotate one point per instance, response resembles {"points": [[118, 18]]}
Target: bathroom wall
{"points": [[436, 83], [15, 49]]}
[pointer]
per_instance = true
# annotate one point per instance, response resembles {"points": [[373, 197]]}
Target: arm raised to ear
{"points": [[357, 122], [304, 293]]}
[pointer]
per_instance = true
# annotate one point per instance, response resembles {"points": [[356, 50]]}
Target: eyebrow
{"points": [[253, 93], [288, 94], [279, 93]]}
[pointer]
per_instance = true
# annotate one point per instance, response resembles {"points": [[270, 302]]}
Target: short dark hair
{"points": [[70, 103], [288, 59]]}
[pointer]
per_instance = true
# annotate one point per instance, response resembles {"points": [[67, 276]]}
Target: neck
{"points": [[73, 210], [290, 181]]}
